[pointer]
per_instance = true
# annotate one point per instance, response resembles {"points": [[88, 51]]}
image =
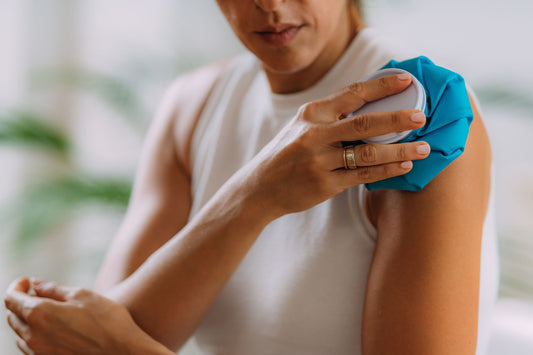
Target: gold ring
{"points": [[349, 158]]}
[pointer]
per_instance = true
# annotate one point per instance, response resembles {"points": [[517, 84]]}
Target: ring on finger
{"points": [[349, 158]]}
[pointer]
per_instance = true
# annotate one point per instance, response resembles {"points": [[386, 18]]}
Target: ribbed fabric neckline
{"points": [[283, 104]]}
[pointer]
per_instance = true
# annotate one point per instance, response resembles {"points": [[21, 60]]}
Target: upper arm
{"points": [[423, 287], [161, 197]]}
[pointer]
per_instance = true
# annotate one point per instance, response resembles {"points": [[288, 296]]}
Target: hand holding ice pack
{"points": [[448, 117]]}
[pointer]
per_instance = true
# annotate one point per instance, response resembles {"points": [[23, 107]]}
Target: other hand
{"points": [[70, 320]]}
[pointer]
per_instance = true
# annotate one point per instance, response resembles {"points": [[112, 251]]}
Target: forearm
{"points": [[171, 292], [143, 345], [148, 225]]}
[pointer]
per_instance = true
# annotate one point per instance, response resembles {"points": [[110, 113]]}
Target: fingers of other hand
{"points": [[374, 124], [24, 348], [29, 341], [18, 325], [354, 96], [33, 317], [25, 310], [17, 300], [53, 290]]}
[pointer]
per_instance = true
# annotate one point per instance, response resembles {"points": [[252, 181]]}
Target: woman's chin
{"points": [[285, 65]]}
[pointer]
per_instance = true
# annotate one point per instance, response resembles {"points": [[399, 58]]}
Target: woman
{"points": [[246, 232]]}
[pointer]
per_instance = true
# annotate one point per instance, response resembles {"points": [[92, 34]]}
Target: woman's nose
{"points": [[268, 5]]}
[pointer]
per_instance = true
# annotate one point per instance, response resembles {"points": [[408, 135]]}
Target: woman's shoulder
{"points": [[467, 179], [189, 90], [182, 105]]}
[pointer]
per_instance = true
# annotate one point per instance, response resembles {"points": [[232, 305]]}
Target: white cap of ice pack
{"points": [[412, 98]]}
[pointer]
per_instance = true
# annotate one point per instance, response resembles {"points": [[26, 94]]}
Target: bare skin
{"points": [[79, 321], [161, 197], [204, 254], [429, 241], [417, 237]]}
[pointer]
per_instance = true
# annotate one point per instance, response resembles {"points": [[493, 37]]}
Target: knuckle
{"points": [[384, 83], [357, 88], [308, 110], [367, 153], [390, 170], [303, 109], [79, 293], [35, 316], [401, 152], [357, 91], [396, 119], [364, 173], [361, 123]]}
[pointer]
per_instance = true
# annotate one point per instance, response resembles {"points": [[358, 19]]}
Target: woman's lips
{"points": [[279, 37]]}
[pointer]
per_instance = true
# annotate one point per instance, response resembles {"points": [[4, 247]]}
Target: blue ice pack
{"points": [[448, 117]]}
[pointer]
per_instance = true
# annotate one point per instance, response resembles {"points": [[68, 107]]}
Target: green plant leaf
{"points": [[53, 202], [30, 130]]}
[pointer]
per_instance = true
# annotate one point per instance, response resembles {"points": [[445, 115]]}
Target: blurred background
{"points": [[80, 80]]}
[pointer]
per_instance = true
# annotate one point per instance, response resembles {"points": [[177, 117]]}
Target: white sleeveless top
{"points": [[300, 289]]}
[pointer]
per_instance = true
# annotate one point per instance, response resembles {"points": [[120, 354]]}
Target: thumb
{"points": [[16, 298], [22, 284], [52, 290]]}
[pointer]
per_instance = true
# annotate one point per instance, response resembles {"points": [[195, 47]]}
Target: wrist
{"points": [[243, 200], [257, 201]]}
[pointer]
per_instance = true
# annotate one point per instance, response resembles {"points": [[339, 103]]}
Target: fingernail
{"points": [[403, 76], [406, 165], [418, 117], [423, 149]]}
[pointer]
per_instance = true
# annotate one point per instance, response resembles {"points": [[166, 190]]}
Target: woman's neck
{"points": [[286, 83]]}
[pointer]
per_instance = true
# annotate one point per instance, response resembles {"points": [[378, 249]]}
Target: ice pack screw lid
{"points": [[412, 98]]}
